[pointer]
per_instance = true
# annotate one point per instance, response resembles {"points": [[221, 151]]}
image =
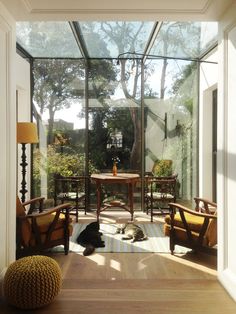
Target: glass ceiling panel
{"points": [[209, 35], [109, 39], [184, 39], [47, 39]]}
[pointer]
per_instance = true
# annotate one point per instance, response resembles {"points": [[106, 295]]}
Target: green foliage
{"points": [[54, 162], [183, 85], [55, 88], [162, 168]]}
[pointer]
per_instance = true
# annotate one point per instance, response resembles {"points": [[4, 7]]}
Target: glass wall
{"points": [[115, 121], [58, 109], [114, 111], [171, 119], [118, 103]]}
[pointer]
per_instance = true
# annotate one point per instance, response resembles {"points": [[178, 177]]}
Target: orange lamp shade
{"points": [[27, 133]]}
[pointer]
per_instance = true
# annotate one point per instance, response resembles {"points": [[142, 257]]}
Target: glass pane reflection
{"points": [[47, 39], [184, 39], [109, 39], [171, 93]]}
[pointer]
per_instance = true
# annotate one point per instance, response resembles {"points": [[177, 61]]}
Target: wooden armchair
{"points": [[158, 193], [71, 189], [38, 230], [194, 229]]}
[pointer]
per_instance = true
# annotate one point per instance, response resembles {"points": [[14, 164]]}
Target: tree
{"points": [[100, 73], [53, 86], [171, 42], [126, 37]]}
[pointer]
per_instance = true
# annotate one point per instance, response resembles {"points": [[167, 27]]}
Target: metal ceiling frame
{"points": [[152, 38], [76, 29], [79, 38], [77, 32]]}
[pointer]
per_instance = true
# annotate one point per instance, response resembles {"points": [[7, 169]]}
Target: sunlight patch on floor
{"points": [[115, 265], [99, 259], [195, 262]]}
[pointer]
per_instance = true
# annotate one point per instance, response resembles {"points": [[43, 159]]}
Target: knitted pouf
{"points": [[32, 282]]}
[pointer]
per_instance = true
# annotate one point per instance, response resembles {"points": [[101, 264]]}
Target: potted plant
{"points": [[162, 168]]}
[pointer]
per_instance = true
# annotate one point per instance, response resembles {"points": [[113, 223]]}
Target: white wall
{"points": [[226, 176], [7, 140], [208, 83], [22, 68]]}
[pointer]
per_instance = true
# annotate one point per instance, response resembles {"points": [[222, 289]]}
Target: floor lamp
{"points": [[26, 134]]}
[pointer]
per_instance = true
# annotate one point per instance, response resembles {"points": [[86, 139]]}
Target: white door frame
{"points": [[226, 155], [7, 140]]}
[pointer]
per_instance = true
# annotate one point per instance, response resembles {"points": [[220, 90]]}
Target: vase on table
{"points": [[114, 169]]}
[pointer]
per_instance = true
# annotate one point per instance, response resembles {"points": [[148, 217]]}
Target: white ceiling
{"points": [[181, 10]]}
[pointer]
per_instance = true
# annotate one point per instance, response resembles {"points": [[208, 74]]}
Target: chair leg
{"points": [[66, 245], [76, 214], [85, 205], [172, 247], [151, 214], [66, 250], [172, 244]]}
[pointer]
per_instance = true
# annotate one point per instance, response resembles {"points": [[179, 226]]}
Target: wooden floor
{"points": [[136, 282]]}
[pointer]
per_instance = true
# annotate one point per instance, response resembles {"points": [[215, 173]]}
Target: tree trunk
{"points": [[163, 79], [135, 156], [50, 126]]}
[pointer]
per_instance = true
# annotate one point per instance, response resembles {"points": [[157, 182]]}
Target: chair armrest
{"points": [[206, 204], [32, 203], [64, 208], [174, 206], [33, 200]]}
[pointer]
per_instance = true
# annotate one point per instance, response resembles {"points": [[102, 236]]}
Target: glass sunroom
{"points": [[124, 89]]}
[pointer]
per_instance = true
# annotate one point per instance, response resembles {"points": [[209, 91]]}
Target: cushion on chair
{"points": [[160, 196], [44, 223], [56, 235], [25, 224], [20, 210], [194, 222], [195, 225], [181, 234], [211, 233], [70, 195]]}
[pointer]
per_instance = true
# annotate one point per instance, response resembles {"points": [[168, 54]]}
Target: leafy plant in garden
{"points": [[55, 162]]}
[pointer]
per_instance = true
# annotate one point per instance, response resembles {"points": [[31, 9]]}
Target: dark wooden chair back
{"points": [[71, 189], [159, 191]]}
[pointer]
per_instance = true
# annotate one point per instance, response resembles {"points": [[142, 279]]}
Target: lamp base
{"points": [[23, 164]]}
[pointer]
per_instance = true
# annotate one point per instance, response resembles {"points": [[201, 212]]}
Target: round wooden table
{"points": [[121, 178]]}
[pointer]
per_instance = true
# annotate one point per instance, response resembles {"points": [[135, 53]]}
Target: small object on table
{"points": [[114, 169]]}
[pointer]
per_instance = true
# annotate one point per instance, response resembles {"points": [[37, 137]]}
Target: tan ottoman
{"points": [[32, 282]]}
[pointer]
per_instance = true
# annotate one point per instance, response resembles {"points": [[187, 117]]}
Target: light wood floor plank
{"points": [[136, 283]]}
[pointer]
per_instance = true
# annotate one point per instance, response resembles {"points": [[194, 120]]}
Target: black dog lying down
{"points": [[90, 238]]}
